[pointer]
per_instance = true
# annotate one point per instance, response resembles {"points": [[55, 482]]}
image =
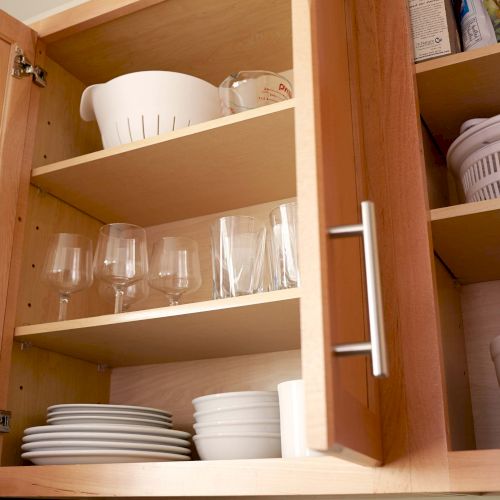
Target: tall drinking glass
{"points": [[238, 248], [121, 258], [283, 246], [68, 267], [175, 268]]}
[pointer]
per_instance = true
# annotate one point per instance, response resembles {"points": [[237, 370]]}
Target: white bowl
{"points": [[238, 446], [264, 411], [147, 103], [238, 426], [230, 399]]}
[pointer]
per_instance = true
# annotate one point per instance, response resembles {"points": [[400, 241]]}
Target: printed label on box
{"points": [[430, 28]]}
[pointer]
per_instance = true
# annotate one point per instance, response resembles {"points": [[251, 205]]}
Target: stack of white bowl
{"points": [[237, 425], [95, 433]]}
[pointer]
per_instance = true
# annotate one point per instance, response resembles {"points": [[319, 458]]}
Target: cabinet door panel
{"points": [[15, 127], [341, 395]]}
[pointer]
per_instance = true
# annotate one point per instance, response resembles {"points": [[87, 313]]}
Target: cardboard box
{"points": [[434, 29]]}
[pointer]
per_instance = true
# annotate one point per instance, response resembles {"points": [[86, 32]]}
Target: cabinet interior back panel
{"points": [[172, 386], [41, 378], [207, 39]]}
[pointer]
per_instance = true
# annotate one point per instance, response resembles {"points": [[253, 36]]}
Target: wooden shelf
{"points": [[216, 478], [467, 239], [265, 322], [210, 40], [458, 87], [232, 162]]}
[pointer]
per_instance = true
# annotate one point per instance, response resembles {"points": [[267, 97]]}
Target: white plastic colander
{"points": [[474, 157], [147, 103]]}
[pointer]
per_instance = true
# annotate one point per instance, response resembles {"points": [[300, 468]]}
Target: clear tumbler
{"points": [[238, 248], [283, 247]]}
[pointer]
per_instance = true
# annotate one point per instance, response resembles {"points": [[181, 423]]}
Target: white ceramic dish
{"points": [[147, 103], [106, 436], [66, 457], [120, 428], [106, 407], [238, 426], [107, 420], [55, 444], [230, 399], [125, 414], [264, 411], [238, 446]]}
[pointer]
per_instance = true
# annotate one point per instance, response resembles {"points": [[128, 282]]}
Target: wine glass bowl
{"points": [[175, 267], [121, 258], [68, 267]]}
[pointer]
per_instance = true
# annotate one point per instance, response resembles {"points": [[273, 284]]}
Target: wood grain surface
{"points": [[223, 164], [209, 40]]}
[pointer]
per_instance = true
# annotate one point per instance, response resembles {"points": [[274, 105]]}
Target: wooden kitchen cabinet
{"points": [[351, 133]]}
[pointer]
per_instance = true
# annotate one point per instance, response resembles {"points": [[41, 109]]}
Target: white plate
{"points": [[55, 444], [91, 413], [105, 407], [106, 436], [98, 457], [133, 429], [86, 419]]}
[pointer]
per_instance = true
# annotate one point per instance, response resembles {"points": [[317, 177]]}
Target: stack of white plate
{"points": [[95, 434], [236, 425]]}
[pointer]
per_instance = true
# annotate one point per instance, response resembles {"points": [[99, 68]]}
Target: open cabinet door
{"points": [[18, 102], [342, 408]]}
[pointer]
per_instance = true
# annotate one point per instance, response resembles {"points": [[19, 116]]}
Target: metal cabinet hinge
{"points": [[22, 67], [5, 421]]}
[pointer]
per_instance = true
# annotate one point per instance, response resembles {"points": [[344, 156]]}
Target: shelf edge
{"points": [[23, 332]]}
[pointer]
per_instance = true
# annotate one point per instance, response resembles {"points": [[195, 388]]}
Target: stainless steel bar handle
{"points": [[377, 346]]}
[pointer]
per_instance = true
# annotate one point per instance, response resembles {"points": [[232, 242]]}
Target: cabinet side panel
{"points": [[458, 392], [436, 172], [18, 105], [481, 315], [37, 302], [40, 379], [61, 133]]}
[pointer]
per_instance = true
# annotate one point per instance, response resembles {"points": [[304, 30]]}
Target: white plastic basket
{"points": [[474, 157], [147, 103], [480, 173]]}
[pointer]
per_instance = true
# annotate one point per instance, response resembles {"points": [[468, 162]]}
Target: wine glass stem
{"points": [[63, 306], [118, 300], [173, 300]]}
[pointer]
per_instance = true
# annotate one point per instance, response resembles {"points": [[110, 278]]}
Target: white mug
{"points": [[292, 420]]}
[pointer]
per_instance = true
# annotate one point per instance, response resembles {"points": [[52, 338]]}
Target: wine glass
{"points": [[121, 258], [68, 267], [132, 294], [175, 268]]}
